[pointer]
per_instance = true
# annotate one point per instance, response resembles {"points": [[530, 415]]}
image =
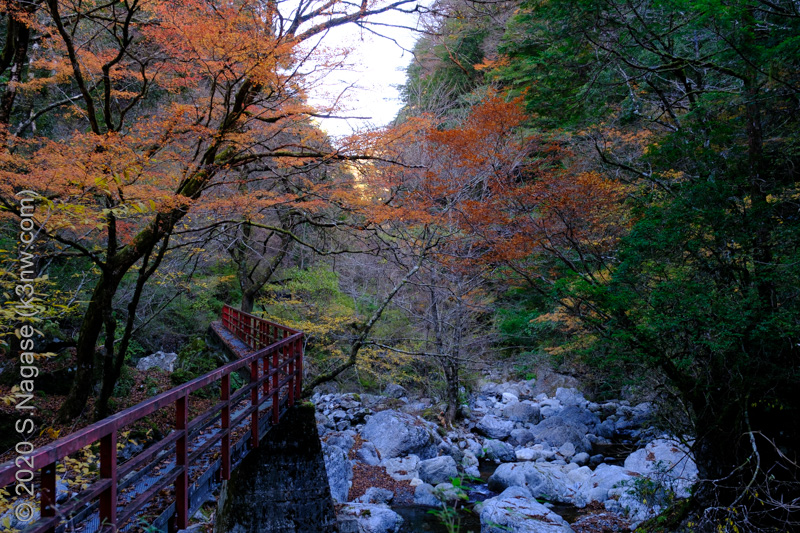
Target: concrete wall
{"points": [[281, 486]]}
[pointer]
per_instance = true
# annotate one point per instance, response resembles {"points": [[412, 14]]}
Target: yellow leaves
{"points": [[80, 470], [324, 325], [11, 398], [387, 365], [50, 433], [6, 523]]}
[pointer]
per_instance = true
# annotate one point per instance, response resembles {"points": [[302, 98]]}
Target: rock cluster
{"points": [[543, 448]]}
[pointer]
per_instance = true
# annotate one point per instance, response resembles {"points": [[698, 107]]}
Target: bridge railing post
{"points": [[254, 404], [48, 494], [299, 368], [290, 349], [182, 462], [108, 470], [265, 369], [225, 416], [276, 408], [286, 364]]}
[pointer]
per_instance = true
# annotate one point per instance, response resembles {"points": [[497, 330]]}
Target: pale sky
{"points": [[378, 67]]}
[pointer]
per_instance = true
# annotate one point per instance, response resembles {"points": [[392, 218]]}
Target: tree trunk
{"points": [[451, 376], [120, 261], [112, 367], [93, 321], [248, 301], [15, 55]]}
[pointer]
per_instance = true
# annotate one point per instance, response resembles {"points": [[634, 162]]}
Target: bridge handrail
{"points": [[44, 459]]}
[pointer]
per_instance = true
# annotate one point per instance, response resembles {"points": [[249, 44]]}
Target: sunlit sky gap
{"points": [[377, 69]]}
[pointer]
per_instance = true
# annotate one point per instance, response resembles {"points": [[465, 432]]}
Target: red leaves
{"points": [[498, 195]]}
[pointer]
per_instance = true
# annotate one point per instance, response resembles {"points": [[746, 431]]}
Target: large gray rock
{"points": [[574, 415], [490, 388], [396, 434], [549, 407], [340, 472], [425, 497], [509, 398], [667, 462], [499, 451], [567, 450], [571, 396], [524, 412], [606, 429], [606, 481], [368, 518], [516, 512], [537, 478], [535, 453], [581, 459], [402, 468], [452, 450], [555, 431], [323, 423], [438, 470], [494, 427], [566, 483], [521, 437], [163, 360]]}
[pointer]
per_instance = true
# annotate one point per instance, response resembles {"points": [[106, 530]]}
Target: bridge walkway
{"points": [[162, 486]]}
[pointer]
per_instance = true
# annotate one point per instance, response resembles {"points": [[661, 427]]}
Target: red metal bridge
{"points": [[163, 485]]}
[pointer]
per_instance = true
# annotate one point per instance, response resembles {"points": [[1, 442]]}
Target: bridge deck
{"points": [[161, 486], [235, 346]]}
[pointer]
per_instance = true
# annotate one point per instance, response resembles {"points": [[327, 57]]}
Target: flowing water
{"points": [[420, 520]]}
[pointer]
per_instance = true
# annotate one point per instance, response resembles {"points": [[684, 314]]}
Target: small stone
{"points": [[393, 390], [368, 454], [423, 496], [509, 398], [567, 450], [446, 492], [580, 458], [376, 495], [596, 459]]}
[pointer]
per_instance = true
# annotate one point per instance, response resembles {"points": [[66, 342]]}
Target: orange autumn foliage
{"points": [[158, 109], [499, 196]]}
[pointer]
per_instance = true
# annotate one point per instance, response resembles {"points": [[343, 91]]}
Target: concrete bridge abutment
{"points": [[281, 486]]}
